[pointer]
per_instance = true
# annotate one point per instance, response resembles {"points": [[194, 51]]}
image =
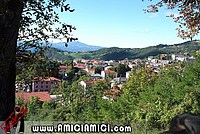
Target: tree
{"points": [[44, 68], [188, 18], [122, 69], [68, 63], [97, 69], [26, 24]]}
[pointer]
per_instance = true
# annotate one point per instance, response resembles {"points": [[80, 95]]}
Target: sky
{"points": [[120, 23]]}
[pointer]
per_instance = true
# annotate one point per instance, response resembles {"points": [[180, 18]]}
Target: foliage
{"points": [[68, 63], [41, 68], [121, 69], [157, 99], [97, 69], [39, 23]]}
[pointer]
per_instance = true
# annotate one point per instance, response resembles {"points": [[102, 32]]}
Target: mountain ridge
{"points": [[75, 46], [116, 53]]}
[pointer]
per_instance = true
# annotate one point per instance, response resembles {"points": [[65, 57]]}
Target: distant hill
{"points": [[115, 53], [75, 47]]}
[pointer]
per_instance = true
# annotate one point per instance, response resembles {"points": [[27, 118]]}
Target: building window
{"points": [[47, 82], [36, 82], [36, 86], [42, 82], [41, 86], [46, 86]]}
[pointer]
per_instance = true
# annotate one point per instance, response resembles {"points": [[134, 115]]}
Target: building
{"points": [[80, 66], [150, 58], [107, 67], [163, 56], [44, 84], [117, 81], [90, 70], [96, 76], [63, 70], [55, 97], [128, 74], [26, 96], [108, 74], [112, 94], [87, 84]]}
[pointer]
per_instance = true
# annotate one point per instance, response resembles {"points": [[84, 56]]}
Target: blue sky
{"points": [[120, 23]]}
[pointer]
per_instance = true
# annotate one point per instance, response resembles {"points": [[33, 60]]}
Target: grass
{"points": [[79, 55]]}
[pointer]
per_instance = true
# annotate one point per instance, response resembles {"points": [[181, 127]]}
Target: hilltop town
{"points": [[115, 72]]}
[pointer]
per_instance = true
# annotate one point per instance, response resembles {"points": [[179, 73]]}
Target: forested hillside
{"points": [[115, 53]]}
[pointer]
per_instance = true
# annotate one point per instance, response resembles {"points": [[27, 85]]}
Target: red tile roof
{"points": [[114, 91], [96, 62], [110, 71], [79, 65], [46, 79], [43, 96], [89, 82], [63, 67]]}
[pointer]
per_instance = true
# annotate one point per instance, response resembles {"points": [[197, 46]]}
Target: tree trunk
{"points": [[9, 26], [7, 78]]}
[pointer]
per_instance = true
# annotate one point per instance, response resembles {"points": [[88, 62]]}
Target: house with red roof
{"points": [[63, 70], [90, 70], [88, 83], [108, 74], [43, 96], [42, 84], [80, 66], [112, 94]]}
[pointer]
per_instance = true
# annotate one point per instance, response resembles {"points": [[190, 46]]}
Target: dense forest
{"points": [[115, 53], [147, 101]]}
